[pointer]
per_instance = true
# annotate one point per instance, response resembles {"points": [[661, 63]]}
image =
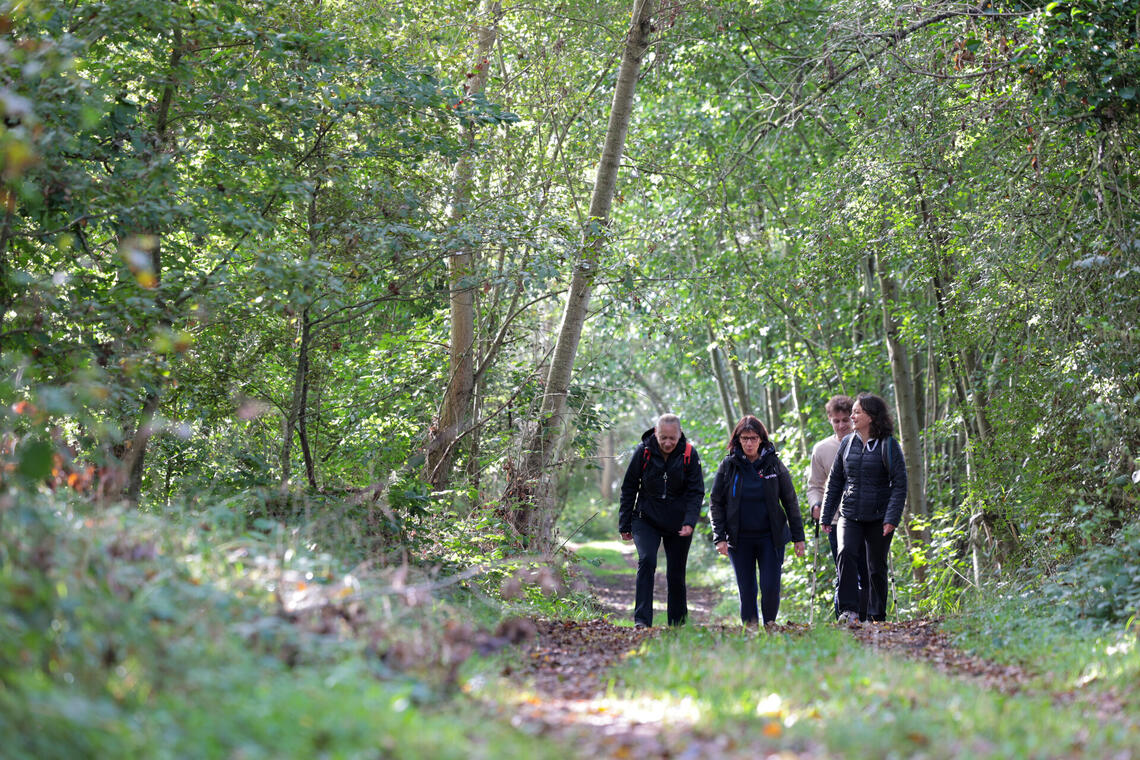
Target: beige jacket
{"points": [[822, 457]]}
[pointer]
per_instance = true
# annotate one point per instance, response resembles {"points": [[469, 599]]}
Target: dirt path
{"points": [[614, 592], [570, 660], [569, 666], [924, 641]]}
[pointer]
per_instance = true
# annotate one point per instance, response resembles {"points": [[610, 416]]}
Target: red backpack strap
{"points": [[645, 459], [688, 453]]}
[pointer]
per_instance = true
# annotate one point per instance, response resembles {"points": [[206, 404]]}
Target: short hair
{"points": [[747, 422], [877, 410], [668, 419], [839, 403]]}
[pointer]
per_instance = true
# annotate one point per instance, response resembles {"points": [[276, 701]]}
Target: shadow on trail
{"points": [[569, 666], [612, 586]]}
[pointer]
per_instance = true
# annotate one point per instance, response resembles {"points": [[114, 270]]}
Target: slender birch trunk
{"points": [[738, 380], [609, 468], [801, 418], [135, 462], [528, 490], [905, 408], [721, 382], [455, 413]]}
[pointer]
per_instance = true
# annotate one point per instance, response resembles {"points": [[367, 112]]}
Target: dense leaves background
{"points": [[230, 231]]}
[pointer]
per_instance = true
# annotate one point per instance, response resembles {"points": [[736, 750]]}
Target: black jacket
{"points": [[665, 493], [861, 487], [779, 493]]}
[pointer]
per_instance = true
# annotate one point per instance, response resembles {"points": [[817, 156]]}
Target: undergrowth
{"points": [[203, 634], [1077, 627]]}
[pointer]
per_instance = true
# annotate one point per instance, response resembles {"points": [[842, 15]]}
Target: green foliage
{"points": [[1084, 57], [134, 636], [1044, 625], [1103, 582]]}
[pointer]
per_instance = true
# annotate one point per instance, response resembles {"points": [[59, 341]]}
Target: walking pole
{"points": [[814, 547]]}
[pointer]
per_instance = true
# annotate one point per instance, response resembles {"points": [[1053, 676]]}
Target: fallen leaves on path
{"points": [[923, 640]]}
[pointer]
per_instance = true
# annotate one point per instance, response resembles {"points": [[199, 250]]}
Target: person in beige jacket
{"points": [[822, 455]]}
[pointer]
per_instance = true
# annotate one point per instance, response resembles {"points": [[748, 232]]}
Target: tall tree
{"points": [[528, 490], [456, 410]]}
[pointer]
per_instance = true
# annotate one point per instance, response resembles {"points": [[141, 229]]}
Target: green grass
{"points": [[1067, 652], [603, 557], [825, 691]]}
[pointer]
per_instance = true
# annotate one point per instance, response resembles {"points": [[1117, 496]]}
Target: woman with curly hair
{"points": [[867, 485]]}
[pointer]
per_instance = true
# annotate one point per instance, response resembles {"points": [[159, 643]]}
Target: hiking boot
{"points": [[640, 624], [849, 619]]}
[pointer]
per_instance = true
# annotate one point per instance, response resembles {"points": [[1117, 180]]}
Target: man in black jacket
{"points": [[661, 497]]}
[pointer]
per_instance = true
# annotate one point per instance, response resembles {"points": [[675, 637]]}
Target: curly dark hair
{"points": [[747, 422], [877, 410]]}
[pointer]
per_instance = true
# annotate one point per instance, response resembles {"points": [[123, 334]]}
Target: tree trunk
{"points": [[721, 382], [303, 406], [297, 399], [528, 490], [136, 457], [801, 418], [609, 468], [655, 398], [455, 413], [738, 380], [905, 407]]}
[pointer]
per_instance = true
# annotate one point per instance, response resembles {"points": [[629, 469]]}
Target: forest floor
{"points": [[572, 696]]}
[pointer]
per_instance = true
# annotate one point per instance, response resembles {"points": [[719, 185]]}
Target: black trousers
{"points": [[757, 563], [864, 581], [648, 541], [863, 537]]}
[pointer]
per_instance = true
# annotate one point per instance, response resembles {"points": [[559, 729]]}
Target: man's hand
{"points": [[626, 536], [815, 513], [722, 547], [826, 528], [800, 546], [888, 529], [686, 530]]}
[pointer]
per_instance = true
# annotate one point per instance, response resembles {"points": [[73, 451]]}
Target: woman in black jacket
{"points": [[867, 485], [754, 513]]}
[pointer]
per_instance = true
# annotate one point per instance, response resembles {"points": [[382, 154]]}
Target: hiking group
{"points": [[856, 492]]}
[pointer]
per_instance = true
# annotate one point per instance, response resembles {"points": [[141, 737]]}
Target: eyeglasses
{"points": [[749, 438]]}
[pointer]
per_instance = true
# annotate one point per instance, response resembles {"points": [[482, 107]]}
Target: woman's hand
{"points": [[722, 547], [800, 546], [686, 530], [826, 528], [626, 536], [888, 529]]}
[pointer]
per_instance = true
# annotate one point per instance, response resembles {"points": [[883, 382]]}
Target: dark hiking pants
{"points": [[754, 559], [863, 537], [648, 541], [864, 582]]}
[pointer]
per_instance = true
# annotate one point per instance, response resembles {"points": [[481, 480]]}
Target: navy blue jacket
{"points": [[861, 487], [779, 494], [664, 492]]}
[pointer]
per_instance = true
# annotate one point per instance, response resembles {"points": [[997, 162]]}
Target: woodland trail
{"points": [[567, 670]]}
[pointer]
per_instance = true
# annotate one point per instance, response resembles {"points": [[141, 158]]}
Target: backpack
{"points": [[885, 448], [685, 459]]}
